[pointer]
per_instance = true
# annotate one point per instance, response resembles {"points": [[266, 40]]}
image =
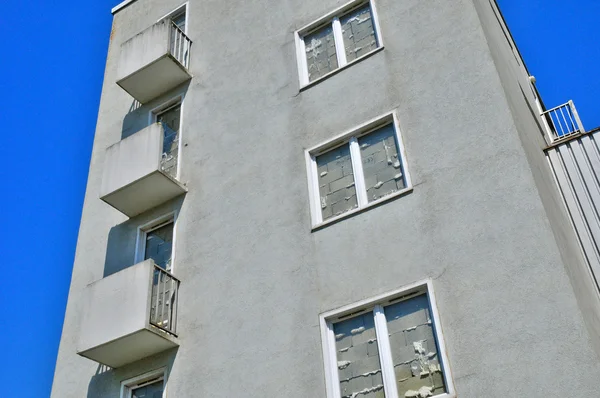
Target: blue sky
{"points": [[51, 74]]}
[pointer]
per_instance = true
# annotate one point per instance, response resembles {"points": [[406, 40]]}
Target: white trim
{"points": [[338, 11], [301, 59], [177, 11], [437, 329], [378, 303], [332, 379], [402, 150], [164, 106], [313, 188], [358, 172], [142, 230], [385, 353], [338, 38], [351, 137], [332, 19], [377, 26], [121, 5], [135, 382]]}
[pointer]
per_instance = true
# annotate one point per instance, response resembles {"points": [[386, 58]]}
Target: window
{"points": [[149, 385], [169, 115], [178, 17], [155, 241], [389, 346], [179, 43], [336, 40], [357, 170]]}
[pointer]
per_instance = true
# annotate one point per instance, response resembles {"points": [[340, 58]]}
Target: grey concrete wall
{"points": [[254, 277], [521, 100]]}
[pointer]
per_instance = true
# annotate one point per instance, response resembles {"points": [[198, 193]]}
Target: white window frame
{"points": [[186, 8], [152, 117], [142, 232], [127, 386], [332, 18], [359, 177], [376, 304]]}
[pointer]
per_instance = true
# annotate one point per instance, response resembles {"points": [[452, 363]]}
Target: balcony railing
{"points": [[163, 304], [129, 315], [154, 61], [180, 45], [140, 171], [563, 122]]}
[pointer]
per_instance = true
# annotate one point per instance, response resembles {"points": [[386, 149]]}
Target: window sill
{"points": [[341, 68], [352, 212]]}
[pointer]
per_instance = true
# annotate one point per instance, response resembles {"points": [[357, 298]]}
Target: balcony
{"points": [[140, 171], [129, 315], [562, 122], [154, 61]]}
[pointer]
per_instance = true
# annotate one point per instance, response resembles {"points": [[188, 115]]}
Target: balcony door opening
{"points": [[170, 119], [179, 46], [158, 244]]}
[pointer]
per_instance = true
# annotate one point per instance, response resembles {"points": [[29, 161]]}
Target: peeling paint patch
{"points": [[423, 392], [343, 364], [365, 391], [358, 330]]}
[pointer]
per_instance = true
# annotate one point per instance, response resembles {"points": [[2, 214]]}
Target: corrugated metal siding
{"points": [[576, 165]]}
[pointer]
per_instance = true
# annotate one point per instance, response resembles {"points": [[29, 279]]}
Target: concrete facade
{"points": [[484, 220]]}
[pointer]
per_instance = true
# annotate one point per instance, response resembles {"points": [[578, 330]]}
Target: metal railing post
{"points": [[165, 300]]}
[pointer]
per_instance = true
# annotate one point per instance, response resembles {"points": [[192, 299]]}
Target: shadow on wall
{"points": [[106, 382], [120, 249], [138, 116], [122, 238], [101, 382], [134, 120]]}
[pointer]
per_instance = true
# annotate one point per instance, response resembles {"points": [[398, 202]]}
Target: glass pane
{"points": [[321, 57], [159, 245], [154, 390], [336, 182], [414, 348], [179, 20], [170, 119], [358, 357], [358, 32], [381, 163]]}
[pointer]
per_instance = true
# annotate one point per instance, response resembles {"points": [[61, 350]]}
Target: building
{"points": [[319, 198]]}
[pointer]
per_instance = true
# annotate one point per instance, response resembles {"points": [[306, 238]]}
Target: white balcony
{"points": [[154, 61], [129, 315], [140, 171], [562, 122]]}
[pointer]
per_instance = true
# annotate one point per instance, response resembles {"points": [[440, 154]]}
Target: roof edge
{"points": [[121, 5]]}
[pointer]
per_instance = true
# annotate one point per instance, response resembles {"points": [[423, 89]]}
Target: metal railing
{"points": [[170, 153], [163, 304], [563, 121], [180, 45]]}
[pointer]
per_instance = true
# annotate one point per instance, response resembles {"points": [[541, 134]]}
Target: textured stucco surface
{"points": [[254, 278], [521, 100]]}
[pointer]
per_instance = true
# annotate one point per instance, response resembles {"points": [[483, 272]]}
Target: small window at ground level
{"points": [[358, 170], [337, 39], [149, 385], [390, 347]]}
